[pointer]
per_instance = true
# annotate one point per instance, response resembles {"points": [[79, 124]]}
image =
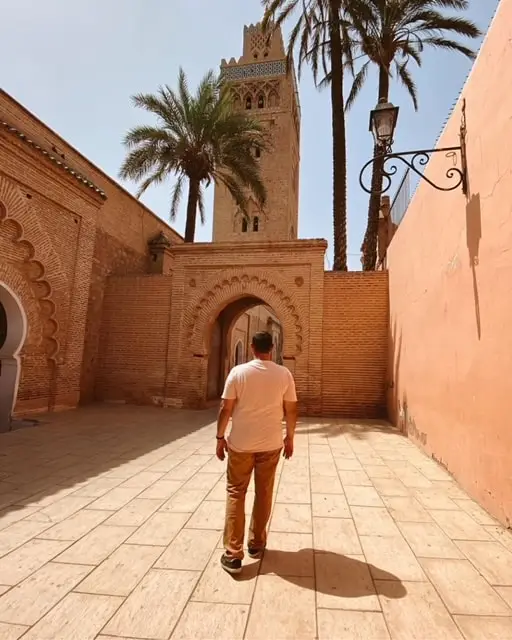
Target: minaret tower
{"points": [[261, 83]]}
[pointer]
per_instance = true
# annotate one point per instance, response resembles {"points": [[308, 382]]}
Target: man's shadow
{"points": [[336, 575]]}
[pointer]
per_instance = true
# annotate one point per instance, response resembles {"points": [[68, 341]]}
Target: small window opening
{"points": [[255, 223], [248, 103], [261, 102], [244, 225], [257, 152]]}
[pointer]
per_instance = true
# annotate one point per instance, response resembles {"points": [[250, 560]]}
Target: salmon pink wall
{"points": [[450, 282]]}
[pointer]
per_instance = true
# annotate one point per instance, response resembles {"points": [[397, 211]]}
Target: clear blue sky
{"points": [[75, 65]]}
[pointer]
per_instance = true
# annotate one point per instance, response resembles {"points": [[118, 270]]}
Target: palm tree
{"points": [[396, 32], [200, 138], [319, 32]]}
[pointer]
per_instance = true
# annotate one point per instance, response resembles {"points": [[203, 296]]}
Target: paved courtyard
{"points": [[110, 527]]}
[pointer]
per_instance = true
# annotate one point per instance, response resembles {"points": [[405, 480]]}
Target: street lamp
{"points": [[383, 121]]}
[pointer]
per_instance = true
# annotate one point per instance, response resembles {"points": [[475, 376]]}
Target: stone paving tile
{"points": [[374, 521], [459, 525], [135, 513], [218, 586], [328, 505], [351, 625], [208, 621], [390, 558], [79, 616], [291, 518], [122, 571], [485, 628], [344, 582], [291, 492], [506, 594], [155, 606], [463, 589], [475, 511], [414, 611], [283, 609], [354, 478], [190, 550], [289, 554], [96, 546], [19, 564], [209, 515], [110, 528], [11, 631], [491, 559], [26, 603], [160, 529], [76, 526], [427, 540], [18, 533], [362, 496], [335, 535], [8, 517]]}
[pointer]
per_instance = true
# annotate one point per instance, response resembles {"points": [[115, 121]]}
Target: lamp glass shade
{"points": [[383, 122]]}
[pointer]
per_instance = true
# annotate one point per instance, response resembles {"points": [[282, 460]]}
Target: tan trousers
{"points": [[240, 468]]}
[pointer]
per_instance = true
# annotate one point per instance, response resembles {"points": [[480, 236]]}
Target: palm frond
{"points": [[451, 45], [157, 177], [177, 193], [200, 206], [357, 85], [408, 82]]}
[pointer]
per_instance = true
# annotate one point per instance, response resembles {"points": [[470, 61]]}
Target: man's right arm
{"points": [[290, 413]]}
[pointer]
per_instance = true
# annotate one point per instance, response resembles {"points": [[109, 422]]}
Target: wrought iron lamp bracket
{"points": [[417, 160]]}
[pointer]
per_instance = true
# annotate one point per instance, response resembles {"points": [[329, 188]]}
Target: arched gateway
{"points": [[13, 330], [207, 356], [244, 290]]}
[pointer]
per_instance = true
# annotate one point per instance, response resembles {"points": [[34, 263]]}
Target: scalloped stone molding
{"points": [[221, 292], [30, 234]]}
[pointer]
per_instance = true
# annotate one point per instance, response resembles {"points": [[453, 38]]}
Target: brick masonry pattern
{"points": [[102, 324]]}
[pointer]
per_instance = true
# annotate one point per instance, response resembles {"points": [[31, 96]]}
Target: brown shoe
{"points": [[231, 565]]}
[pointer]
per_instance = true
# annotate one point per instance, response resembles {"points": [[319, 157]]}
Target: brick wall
{"points": [[116, 239], [336, 347], [355, 339], [80, 264], [133, 342], [47, 223]]}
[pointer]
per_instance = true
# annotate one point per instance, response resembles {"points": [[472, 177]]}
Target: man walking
{"points": [[255, 395]]}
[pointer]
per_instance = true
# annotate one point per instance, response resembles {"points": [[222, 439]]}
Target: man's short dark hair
{"points": [[262, 342]]}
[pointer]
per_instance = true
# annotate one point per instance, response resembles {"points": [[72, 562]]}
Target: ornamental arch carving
{"points": [[219, 293], [41, 264]]}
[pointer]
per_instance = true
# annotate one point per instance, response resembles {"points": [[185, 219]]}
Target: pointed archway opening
{"points": [[13, 329], [230, 335]]}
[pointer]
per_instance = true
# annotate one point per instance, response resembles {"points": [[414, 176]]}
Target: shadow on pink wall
{"points": [[450, 275]]}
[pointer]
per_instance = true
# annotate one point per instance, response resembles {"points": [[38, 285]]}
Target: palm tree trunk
{"points": [[193, 196], [339, 153], [370, 241]]}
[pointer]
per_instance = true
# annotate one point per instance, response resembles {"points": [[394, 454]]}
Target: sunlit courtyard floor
{"points": [[110, 527]]}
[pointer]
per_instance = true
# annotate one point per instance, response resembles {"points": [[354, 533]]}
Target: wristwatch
{"points": [[220, 437]]}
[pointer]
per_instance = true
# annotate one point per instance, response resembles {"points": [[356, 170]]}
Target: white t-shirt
{"points": [[259, 388]]}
